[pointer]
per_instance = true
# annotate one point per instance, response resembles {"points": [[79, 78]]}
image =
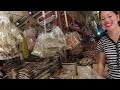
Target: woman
{"points": [[109, 45]]}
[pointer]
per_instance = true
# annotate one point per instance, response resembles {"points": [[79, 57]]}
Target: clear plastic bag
{"points": [[48, 44], [29, 34], [86, 72], [10, 36], [73, 39]]}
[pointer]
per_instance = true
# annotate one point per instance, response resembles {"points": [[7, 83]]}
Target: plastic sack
{"points": [[29, 34], [48, 44], [86, 72], [10, 36]]}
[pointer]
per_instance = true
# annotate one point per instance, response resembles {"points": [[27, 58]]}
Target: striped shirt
{"points": [[112, 52]]}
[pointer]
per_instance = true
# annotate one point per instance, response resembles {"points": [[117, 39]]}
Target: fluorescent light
{"points": [[98, 33], [30, 13]]}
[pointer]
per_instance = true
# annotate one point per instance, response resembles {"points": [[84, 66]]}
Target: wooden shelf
{"points": [[36, 13], [23, 23]]}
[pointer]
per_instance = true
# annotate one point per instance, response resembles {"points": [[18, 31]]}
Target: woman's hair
{"points": [[116, 12]]}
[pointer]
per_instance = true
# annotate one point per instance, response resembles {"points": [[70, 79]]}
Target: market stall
{"points": [[48, 45]]}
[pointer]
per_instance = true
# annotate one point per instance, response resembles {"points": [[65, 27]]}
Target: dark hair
{"points": [[116, 12]]}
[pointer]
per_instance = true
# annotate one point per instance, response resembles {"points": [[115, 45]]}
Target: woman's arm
{"points": [[101, 63]]}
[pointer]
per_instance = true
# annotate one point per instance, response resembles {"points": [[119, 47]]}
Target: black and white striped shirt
{"points": [[112, 52]]}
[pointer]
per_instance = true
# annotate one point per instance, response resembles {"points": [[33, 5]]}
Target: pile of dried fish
{"points": [[86, 61], [11, 64], [90, 54], [24, 74], [46, 72], [48, 44], [38, 70]]}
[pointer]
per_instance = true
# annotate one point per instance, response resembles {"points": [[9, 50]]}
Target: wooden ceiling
{"points": [[88, 12], [19, 14]]}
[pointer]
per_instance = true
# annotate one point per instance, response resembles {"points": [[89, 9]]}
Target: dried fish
{"points": [[33, 70], [86, 61], [90, 54]]}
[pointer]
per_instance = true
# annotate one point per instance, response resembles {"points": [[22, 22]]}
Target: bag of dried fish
{"points": [[73, 39], [87, 72], [10, 37], [48, 44]]}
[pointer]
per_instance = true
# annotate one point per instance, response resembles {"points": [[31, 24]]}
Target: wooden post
{"points": [[59, 20], [44, 22], [66, 18], [56, 15]]}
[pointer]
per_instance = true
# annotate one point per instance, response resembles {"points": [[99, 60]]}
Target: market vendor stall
{"points": [[60, 49]]}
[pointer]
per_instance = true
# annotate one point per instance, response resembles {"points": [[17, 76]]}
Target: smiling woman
{"points": [[109, 45], [109, 20]]}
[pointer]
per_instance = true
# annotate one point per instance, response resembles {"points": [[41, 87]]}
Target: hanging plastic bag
{"points": [[73, 39], [10, 36], [48, 44]]}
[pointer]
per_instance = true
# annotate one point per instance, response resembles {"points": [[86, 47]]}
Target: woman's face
{"points": [[109, 20]]}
